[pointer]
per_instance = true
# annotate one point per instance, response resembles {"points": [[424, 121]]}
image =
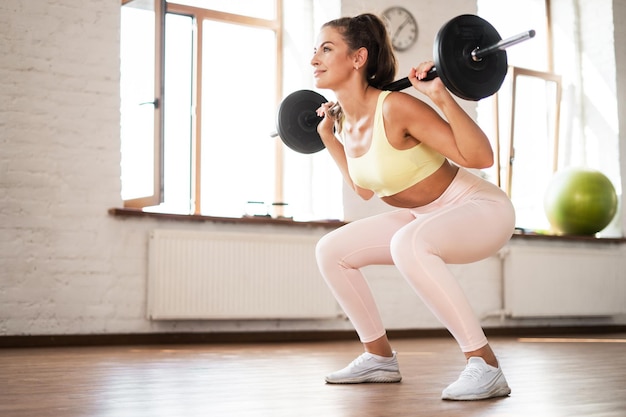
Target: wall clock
{"points": [[402, 27]]}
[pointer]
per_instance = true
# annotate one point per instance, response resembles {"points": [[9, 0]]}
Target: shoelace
{"points": [[360, 359], [471, 372]]}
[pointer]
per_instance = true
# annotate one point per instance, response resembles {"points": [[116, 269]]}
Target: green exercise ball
{"points": [[580, 201]]}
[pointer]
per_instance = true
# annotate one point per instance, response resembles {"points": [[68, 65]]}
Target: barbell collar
{"points": [[479, 53]]}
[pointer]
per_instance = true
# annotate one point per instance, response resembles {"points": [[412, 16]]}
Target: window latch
{"points": [[155, 103]]}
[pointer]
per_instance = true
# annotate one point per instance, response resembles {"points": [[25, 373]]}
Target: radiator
{"points": [[206, 275], [564, 282]]}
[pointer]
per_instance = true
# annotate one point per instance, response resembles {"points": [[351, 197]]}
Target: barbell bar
{"points": [[476, 55], [470, 59]]}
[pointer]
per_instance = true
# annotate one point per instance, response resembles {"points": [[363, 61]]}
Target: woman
{"points": [[395, 146]]}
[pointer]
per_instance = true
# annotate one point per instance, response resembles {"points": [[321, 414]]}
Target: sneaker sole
{"points": [[500, 392], [375, 377]]}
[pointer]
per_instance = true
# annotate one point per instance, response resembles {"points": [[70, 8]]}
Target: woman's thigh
{"points": [[464, 232]]}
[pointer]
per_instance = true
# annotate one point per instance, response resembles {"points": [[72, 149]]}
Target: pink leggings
{"points": [[470, 221]]}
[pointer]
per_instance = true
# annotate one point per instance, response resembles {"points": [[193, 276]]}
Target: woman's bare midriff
{"points": [[425, 191]]}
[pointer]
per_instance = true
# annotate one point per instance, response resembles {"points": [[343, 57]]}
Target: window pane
{"points": [[533, 161], [137, 94], [313, 186], [517, 17], [238, 113], [177, 114], [264, 9]]}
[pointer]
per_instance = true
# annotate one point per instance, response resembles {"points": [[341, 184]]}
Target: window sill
{"points": [[261, 220], [332, 224], [530, 235]]}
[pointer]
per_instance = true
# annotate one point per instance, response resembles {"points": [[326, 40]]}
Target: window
{"points": [[583, 60], [140, 53], [222, 80]]}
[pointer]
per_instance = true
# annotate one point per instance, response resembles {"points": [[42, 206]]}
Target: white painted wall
{"points": [[66, 266]]}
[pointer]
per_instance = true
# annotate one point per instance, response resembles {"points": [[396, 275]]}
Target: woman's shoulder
{"points": [[399, 102]]}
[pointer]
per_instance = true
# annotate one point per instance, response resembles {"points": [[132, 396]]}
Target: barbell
{"points": [[470, 59]]}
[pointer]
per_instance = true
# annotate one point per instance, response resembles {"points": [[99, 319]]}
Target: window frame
{"points": [[162, 8], [156, 197]]}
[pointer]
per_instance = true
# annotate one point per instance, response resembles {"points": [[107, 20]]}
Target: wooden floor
{"points": [[550, 377]]}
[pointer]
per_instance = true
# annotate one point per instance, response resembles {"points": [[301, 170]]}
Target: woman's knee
{"points": [[406, 245], [328, 249]]}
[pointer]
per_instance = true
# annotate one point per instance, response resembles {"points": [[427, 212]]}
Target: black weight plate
{"points": [[296, 121], [452, 50]]}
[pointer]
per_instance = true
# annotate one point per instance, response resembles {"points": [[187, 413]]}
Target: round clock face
{"points": [[402, 27]]}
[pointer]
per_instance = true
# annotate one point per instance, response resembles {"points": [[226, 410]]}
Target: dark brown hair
{"points": [[369, 31]]}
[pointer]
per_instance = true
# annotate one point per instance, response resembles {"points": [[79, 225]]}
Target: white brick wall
{"points": [[59, 163], [66, 266]]}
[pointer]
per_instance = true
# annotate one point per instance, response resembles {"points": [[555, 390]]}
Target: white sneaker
{"points": [[368, 368], [477, 382]]}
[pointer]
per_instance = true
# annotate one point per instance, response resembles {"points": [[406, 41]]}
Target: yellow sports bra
{"points": [[387, 170]]}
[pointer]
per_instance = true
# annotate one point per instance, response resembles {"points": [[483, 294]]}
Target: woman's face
{"points": [[332, 61]]}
